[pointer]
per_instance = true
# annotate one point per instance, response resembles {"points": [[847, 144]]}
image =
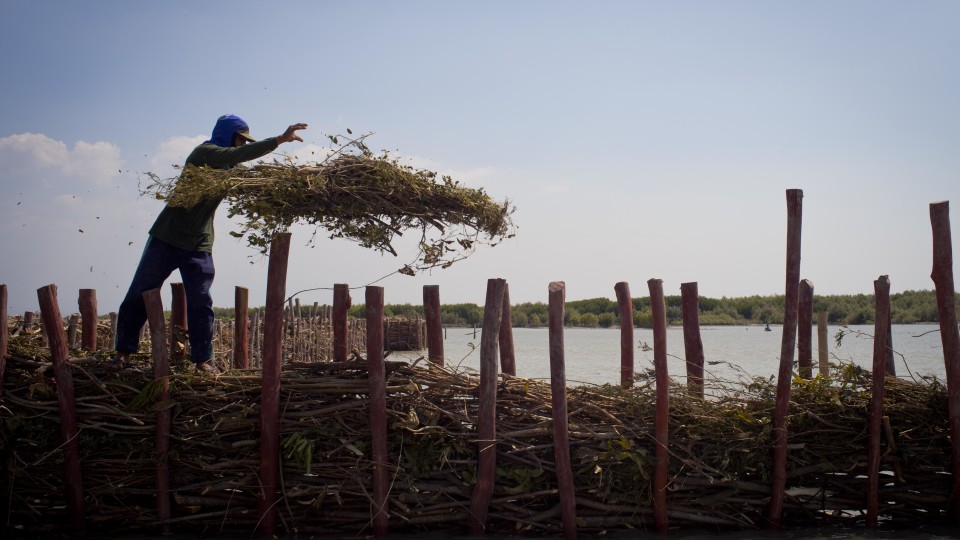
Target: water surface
{"points": [[592, 355]]}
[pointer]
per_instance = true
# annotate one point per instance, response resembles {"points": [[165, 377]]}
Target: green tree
{"points": [[588, 320]]}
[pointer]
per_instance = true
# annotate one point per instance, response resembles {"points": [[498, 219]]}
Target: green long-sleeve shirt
{"points": [[192, 228]]}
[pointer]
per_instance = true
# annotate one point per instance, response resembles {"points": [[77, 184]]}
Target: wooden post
{"points": [[822, 344], [805, 330], [431, 312], [778, 475], [942, 276], [297, 323], [692, 342], [508, 358], [341, 332], [113, 328], [558, 394], [161, 372], [270, 389], [241, 354], [88, 319], [889, 364], [57, 338], [178, 319], [27, 323], [487, 415], [72, 327], [881, 289], [662, 420], [376, 373], [4, 336], [625, 303], [255, 340]]}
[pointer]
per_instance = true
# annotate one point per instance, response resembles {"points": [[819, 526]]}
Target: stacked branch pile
{"points": [[719, 450]]}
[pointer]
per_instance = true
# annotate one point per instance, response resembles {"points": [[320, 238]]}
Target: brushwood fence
{"points": [[360, 445], [306, 338]]}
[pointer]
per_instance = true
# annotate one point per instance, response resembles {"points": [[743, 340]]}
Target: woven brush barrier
{"points": [[402, 334], [720, 450]]}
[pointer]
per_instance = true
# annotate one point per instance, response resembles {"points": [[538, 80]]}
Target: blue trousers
{"points": [[159, 260]]}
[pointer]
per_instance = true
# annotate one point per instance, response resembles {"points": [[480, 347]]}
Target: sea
{"points": [[731, 353]]}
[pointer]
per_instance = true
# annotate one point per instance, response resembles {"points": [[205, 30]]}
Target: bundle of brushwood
{"points": [[354, 194], [403, 334], [720, 451]]}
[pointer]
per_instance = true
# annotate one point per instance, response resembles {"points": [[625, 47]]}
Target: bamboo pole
{"points": [[341, 332], [558, 394], [625, 303], [942, 276], [4, 336], [431, 312], [662, 420], [376, 373], [270, 393], [57, 338], [487, 415], [241, 354], [161, 372], [881, 289], [178, 319], [508, 358], [88, 319], [778, 479], [822, 344], [805, 330], [692, 342]]}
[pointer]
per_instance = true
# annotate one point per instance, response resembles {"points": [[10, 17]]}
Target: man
{"points": [[182, 238]]}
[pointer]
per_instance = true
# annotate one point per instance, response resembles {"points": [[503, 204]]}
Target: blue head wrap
{"points": [[227, 125]]}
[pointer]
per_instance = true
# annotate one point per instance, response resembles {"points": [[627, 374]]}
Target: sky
{"points": [[637, 140]]}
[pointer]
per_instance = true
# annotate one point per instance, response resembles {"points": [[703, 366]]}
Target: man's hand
{"points": [[290, 134]]}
